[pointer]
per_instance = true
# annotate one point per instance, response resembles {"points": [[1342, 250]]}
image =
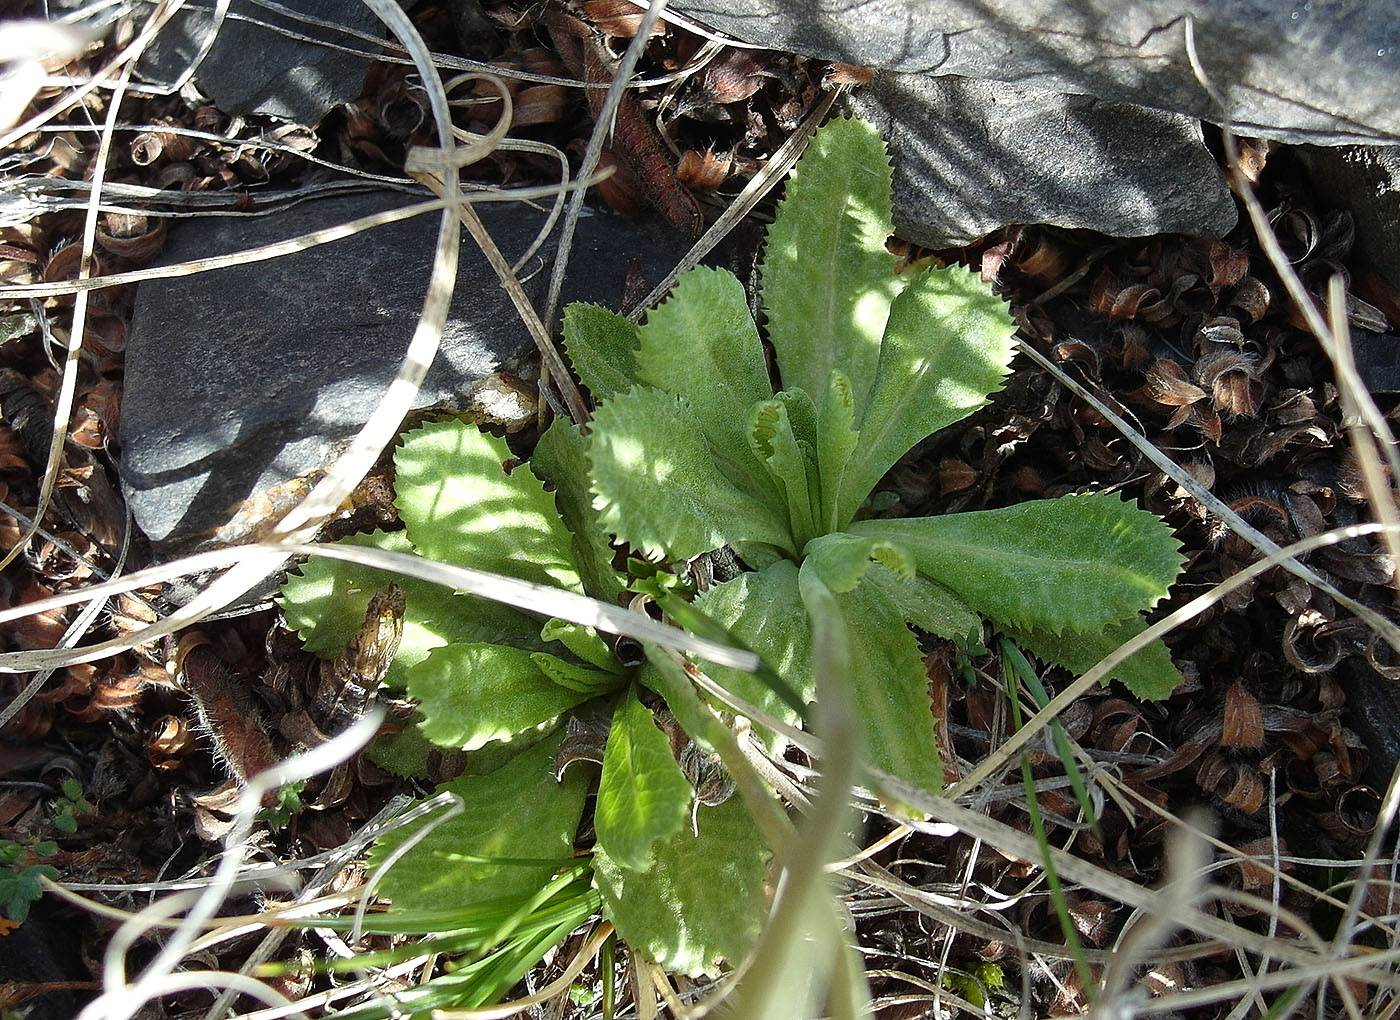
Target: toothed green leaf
{"points": [[1080, 562], [584, 642], [842, 560], [561, 458], [472, 694], [764, 610], [790, 466], [602, 346], [570, 675], [702, 902], [658, 486], [642, 795], [704, 330], [826, 279], [325, 603], [462, 506], [888, 681], [925, 604], [946, 347], [516, 832]]}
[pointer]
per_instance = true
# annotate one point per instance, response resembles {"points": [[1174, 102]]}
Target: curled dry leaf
{"points": [[620, 19], [1243, 720], [703, 171]]}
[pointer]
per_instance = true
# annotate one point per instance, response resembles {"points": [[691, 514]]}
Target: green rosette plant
{"points": [[693, 449]]}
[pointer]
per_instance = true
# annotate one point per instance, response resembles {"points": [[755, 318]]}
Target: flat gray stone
{"points": [[1366, 180], [1323, 71], [971, 156], [256, 66], [242, 381]]}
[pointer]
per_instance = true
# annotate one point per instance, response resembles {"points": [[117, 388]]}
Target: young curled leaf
{"points": [[842, 560]]}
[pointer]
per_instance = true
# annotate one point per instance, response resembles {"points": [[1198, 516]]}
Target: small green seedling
{"points": [[693, 450], [20, 872], [69, 806]]}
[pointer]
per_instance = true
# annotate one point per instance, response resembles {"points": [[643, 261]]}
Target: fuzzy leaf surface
{"points": [[702, 342], [602, 346], [925, 604], [837, 438], [826, 279], [642, 794], [790, 467], [946, 347], [472, 694], [326, 601], [461, 506], [888, 681], [702, 901], [1080, 562], [764, 610], [517, 818], [561, 458], [1149, 674], [659, 488]]}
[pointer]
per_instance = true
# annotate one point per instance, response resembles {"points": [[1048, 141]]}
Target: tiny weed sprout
{"points": [[696, 455]]}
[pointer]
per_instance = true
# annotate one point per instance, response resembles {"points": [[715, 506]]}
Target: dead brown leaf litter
{"points": [[1192, 341]]}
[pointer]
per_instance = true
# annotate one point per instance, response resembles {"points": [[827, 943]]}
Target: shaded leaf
{"points": [[1149, 674], [642, 795], [888, 682], [602, 347], [837, 439], [789, 466]]}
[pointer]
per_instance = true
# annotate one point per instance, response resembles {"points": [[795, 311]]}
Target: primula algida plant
{"points": [[695, 447]]}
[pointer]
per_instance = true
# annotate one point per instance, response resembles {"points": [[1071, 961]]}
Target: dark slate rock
{"points": [[241, 381], [253, 68], [1325, 71], [971, 156], [1366, 180]]}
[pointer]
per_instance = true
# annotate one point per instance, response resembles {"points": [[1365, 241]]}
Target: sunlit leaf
{"points": [[702, 901], [517, 830], [660, 489], [325, 603], [947, 346], [642, 794], [826, 279], [462, 506], [471, 694], [1080, 562]]}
